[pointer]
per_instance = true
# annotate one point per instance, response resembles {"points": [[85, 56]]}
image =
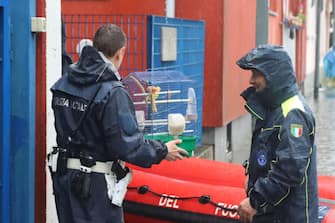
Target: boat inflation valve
{"points": [[143, 189], [204, 199]]}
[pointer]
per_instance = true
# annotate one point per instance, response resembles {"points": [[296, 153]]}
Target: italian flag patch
{"points": [[296, 130]]}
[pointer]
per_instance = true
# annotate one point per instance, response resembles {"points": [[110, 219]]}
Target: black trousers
{"points": [[96, 208]]}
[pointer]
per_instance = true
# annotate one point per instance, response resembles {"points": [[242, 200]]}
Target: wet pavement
{"points": [[324, 111]]}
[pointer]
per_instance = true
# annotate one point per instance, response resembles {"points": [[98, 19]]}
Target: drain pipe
{"points": [[170, 8], [262, 22], [317, 49], [333, 26]]}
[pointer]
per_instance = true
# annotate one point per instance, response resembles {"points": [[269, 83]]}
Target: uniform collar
{"points": [[253, 104], [111, 66]]}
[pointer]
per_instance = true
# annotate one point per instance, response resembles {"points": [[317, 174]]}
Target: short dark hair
{"points": [[109, 39]]}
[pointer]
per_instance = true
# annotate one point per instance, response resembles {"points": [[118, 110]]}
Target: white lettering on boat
{"points": [[220, 211], [168, 201]]}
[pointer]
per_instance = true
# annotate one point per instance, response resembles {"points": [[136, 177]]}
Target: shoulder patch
{"points": [[296, 130], [262, 157]]}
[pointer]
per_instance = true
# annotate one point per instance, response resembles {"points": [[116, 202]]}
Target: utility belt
{"points": [[116, 175], [99, 167]]}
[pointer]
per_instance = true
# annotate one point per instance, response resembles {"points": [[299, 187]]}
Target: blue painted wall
{"points": [[22, 114], [4, 111]]}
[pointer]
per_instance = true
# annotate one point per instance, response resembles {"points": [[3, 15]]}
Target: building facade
{"points": [[231, 31]]}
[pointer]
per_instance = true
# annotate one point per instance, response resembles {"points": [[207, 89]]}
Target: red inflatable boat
{"points": [[198, 191]]}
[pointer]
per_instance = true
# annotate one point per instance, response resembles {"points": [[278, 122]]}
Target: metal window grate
{"points": [[80, 27]]}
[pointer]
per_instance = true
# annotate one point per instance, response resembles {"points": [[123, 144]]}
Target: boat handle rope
{"points": [[203, 199]]}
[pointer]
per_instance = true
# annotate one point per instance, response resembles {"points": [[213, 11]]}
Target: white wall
{"points": [[53, 72], [324, 29], [289, 44], [241, 134], [241, 138], [220, 145]]}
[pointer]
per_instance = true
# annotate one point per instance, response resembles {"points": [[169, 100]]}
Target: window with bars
{"points": [[80, 30]]}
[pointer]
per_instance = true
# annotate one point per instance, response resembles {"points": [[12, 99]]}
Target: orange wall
{"points": [[301, 55], [275, 23], [239, 29], [155, 7], [301, 41], [212, 15], [230, 33]]}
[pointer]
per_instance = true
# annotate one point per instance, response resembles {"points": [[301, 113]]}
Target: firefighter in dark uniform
{"points": [[96, 130], [281, 171]]}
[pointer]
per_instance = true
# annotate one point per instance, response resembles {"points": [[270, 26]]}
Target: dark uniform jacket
{"points": [[109, 131], [282, 164]]}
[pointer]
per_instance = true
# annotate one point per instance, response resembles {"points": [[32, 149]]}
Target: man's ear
{"points": [[120, 53], [118, 57]]}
